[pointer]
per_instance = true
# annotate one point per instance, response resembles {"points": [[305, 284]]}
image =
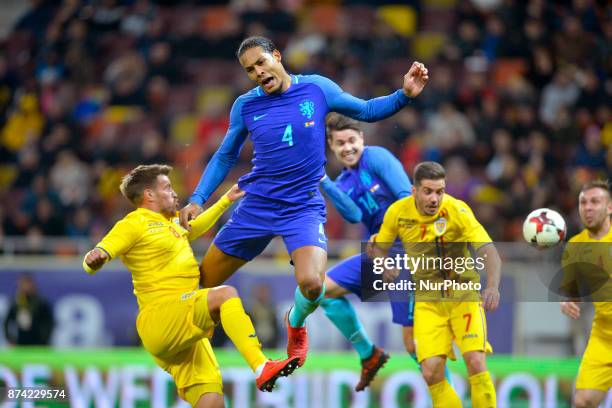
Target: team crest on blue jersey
{"points": [[440, 226], [307, 108]]}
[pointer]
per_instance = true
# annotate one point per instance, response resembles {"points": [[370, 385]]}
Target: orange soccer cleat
{"points": [[274, 369], [370, 367], [297, 341]]}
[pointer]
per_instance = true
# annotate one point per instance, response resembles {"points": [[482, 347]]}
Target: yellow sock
{"points": [[483, 391], [443, 396], [239, 328]]}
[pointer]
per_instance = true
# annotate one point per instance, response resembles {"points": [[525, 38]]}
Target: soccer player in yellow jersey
{"points": [[431, 223], [176, 318], [593, 247]]}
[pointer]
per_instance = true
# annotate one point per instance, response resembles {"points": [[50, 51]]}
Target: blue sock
{"points": [[447, 373], [303, 306], [343, 316]]}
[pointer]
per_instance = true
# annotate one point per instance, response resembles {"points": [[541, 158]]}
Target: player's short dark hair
{"points": [[428, 170], [265, 43], [142, 177], [603, 184], [337, 122]]}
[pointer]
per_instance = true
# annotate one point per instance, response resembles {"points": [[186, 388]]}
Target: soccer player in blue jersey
{"points": [[371, 181], [285, 118]]}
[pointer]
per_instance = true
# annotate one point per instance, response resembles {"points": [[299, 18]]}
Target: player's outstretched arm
{"points": [[94, 260], [376, 108], [221, 163], [343, 203], [492, 264], [208, 218], [119, 240]]}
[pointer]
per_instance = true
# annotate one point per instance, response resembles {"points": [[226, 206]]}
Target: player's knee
{"points": [[210, 400], [433, 371], [219, 295], [430, 376], [227, 292], [475, 362], [585, 399], [311, 287]]}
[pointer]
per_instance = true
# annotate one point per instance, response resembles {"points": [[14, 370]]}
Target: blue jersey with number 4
{"points": [[288, 134]]}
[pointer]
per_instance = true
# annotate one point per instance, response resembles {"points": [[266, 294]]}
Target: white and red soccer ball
{"points": [[544, 228]]}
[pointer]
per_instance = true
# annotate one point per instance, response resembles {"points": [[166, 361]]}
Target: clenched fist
{"points": [[96, 258]]}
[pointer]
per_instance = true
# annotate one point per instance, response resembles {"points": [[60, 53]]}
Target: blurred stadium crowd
{"points": [[518, 107]]}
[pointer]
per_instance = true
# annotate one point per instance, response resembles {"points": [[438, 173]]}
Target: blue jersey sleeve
{"points": [[345, 205], [367, 111], [225, 157], [389, 170]]}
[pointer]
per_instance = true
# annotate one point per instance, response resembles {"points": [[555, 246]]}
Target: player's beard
{"points": [[597, 222], [170, 210]]}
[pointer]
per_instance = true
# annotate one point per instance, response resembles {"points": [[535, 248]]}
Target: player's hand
{"points": [[490, 299], [415, 80], [570, 309], [235, 193], [96, 258], [371, 247], [390, 275], [188, 213]]}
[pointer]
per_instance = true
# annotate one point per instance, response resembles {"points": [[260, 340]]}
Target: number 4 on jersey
{"points": [[288, 136]]}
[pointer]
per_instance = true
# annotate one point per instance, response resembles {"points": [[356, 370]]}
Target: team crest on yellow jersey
{"points": [[440, 226]]}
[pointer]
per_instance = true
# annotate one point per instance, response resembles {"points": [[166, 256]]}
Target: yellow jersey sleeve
{"points": [[122, 236], [388, 230], [208, 218], [474, 232]]}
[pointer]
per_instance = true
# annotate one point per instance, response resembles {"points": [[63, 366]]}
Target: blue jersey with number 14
{"points": [[363, 194], [288, 134]]}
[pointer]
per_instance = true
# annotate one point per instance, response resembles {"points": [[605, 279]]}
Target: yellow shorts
{"points": [[595, 372], [437, 324], [176, 331]]}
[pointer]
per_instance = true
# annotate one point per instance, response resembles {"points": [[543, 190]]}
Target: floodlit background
{"points": [[518, 109]]}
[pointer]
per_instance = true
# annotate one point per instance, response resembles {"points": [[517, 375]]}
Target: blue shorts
{"points": [[348, 275], [257, 220]]}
